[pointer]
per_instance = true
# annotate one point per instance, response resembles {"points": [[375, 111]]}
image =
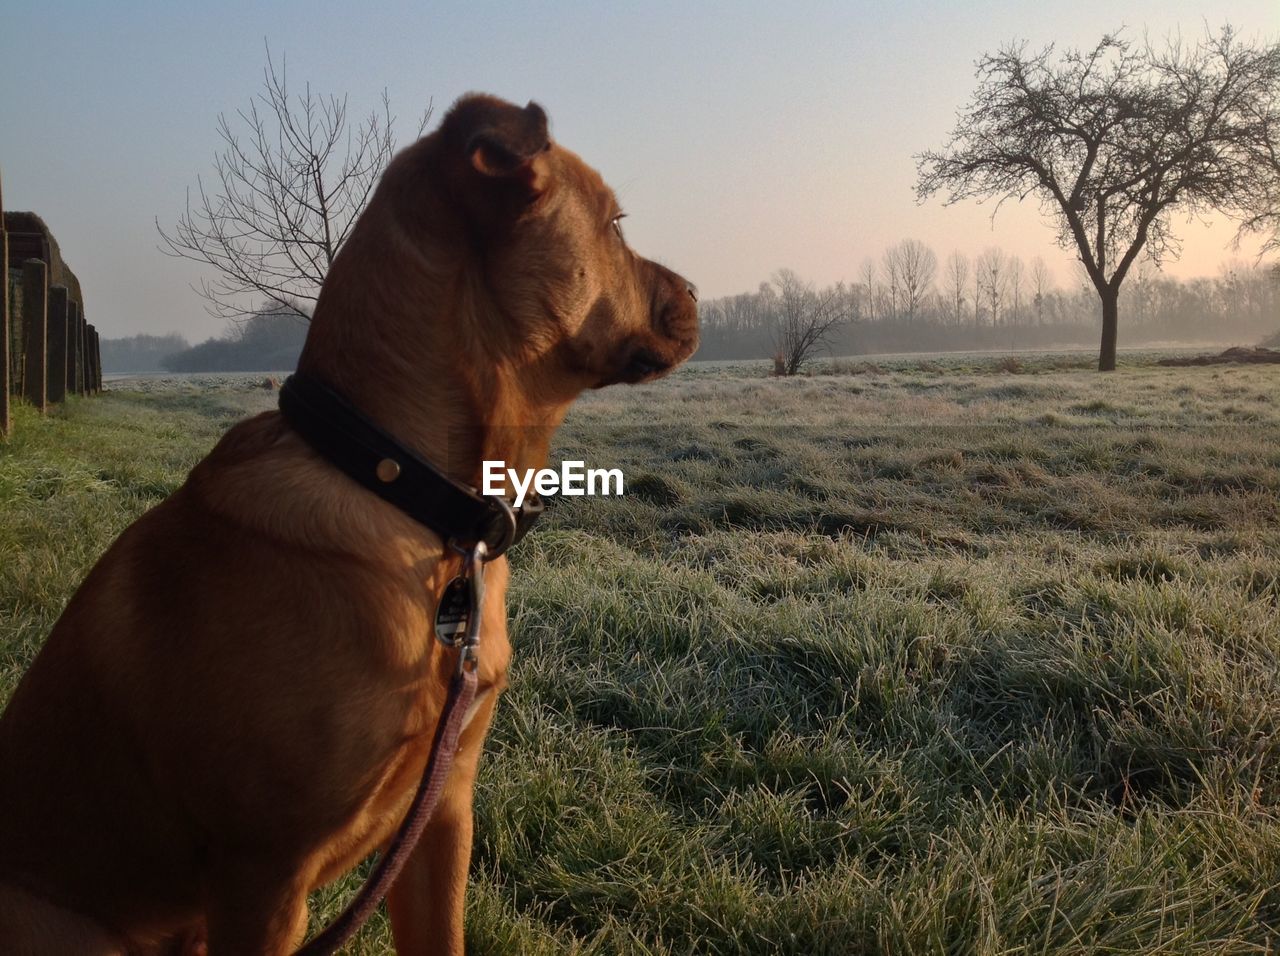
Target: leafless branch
{"points": [[291, 176]]}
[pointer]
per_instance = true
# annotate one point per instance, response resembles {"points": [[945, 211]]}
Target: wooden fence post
{"points": [[80, 353], [4, 325], [70, 370], [88, 357], [95, 375], [57, 345], [35, 291]]}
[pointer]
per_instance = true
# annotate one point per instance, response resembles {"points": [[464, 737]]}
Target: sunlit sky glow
{"points": [[740, 137]]}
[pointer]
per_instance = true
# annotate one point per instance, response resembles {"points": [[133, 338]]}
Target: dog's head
{"points": [[563, 288]]}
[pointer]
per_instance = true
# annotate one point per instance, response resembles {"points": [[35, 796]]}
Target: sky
{"points": [[740, 137]]}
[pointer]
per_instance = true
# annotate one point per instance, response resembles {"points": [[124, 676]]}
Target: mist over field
{"points": [[1000, 307]]}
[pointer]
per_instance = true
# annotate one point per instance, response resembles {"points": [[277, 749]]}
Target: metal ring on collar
{"points": [[505, 529]]}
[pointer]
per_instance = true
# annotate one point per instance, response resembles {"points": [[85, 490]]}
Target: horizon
{"points": [[741, 139]]}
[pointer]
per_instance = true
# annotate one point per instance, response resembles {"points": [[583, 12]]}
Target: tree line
{"points": [[904, 301], [907, 300], [140, 353], [270, 340]]}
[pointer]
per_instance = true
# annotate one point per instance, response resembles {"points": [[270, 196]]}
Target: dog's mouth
{"points": [[644, 365]]}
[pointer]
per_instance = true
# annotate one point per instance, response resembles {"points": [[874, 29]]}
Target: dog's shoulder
{"points": [[263, 477]]}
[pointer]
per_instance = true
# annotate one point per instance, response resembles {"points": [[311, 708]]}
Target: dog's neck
{"points": [[398, 332]]}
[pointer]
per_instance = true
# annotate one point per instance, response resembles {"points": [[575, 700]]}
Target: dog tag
{"points": [[454, 611]]}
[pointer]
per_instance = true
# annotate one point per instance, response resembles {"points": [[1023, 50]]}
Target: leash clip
{"points": [[458, 614]]}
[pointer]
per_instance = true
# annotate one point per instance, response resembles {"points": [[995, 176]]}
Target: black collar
{"points": [[349, 441]]}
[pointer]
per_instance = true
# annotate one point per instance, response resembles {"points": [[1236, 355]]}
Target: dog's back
{"points": [[83, 819]]}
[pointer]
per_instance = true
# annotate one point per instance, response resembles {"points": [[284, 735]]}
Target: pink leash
{"points": [[444, 747]]}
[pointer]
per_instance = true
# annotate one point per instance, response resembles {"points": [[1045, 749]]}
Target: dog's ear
{"points": [[505, 143]]}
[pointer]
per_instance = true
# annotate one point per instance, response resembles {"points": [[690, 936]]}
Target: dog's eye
{"points": [[616, 222]]}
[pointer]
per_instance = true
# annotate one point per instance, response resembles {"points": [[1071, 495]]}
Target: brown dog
{"points": [[237, 704]]}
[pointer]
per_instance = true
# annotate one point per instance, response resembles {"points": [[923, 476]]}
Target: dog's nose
{"points": [[692, 290]]}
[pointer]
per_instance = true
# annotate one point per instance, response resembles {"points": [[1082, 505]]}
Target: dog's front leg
{"points": [[257, 910], [426, 902]]}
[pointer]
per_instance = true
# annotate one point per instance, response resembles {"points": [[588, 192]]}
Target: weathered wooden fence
{"points": [[47, 351]]}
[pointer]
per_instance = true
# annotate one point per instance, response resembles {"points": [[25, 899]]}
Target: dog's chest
{"points": [[400, 773]]}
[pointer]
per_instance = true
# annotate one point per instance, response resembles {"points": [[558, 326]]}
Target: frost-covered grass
{"points": [[958, 655]]}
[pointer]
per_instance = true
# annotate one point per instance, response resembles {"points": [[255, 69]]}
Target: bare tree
{"points": [[869, 280], [1113, 141], [992, 278], [914, 266], [292, 175], [1014, 272], [892, 281], [804, 320], [977, 292], [957, 276], [1141, 287], [848, 301], [1041, 283]]}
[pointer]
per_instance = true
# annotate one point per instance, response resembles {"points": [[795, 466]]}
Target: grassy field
{"points": [[953, 656]]}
